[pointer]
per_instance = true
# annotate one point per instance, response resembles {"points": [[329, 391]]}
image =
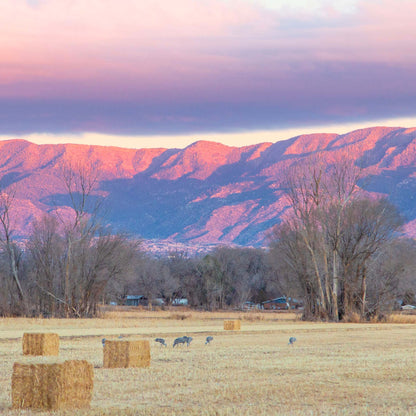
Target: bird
{"points": [[103, 342], [188, 340], [208, 340], [180, 340], [292, 340], [161, 341]]}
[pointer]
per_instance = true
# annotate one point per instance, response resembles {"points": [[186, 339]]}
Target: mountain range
{"points": [[207, 193]]}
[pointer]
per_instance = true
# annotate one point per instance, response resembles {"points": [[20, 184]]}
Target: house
{"points": [[295, 303], [180, 302], [282, 303], [136, 300], [158, 302], [276, 304], [251, 305]]}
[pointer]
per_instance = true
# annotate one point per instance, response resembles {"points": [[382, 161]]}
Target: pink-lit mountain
{"points": [[207, 192]]}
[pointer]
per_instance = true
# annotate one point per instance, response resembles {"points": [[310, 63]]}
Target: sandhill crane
{"points": [[182, 340], [208, 340], [161, 341], [292, 340], [188, 340]]}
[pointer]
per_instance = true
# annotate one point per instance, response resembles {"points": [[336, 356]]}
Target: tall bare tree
{"points": [[74, 257], [331, 234], [79, 182], [318, 193], [9, 246], [369, 228], [46, 247]]}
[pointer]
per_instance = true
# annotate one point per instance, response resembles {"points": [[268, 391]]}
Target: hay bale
{"points": [[40, 344], [232, 325], [52, 385], [126, 353]]}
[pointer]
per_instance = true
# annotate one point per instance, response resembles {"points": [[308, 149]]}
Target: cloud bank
{"points": [[156, 67]]}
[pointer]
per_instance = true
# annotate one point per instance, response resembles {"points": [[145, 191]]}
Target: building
{"points": [[136, 300], [276, 304], [282, 303], [180, 302]]}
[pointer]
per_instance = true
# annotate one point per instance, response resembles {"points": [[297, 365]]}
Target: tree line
{"points": [[338, 249], [343, 249]]}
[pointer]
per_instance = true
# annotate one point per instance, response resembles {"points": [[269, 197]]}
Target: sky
{"points": [[157, 73]]}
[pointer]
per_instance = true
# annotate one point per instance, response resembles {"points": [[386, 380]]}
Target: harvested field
{"points": [[342, 369]]}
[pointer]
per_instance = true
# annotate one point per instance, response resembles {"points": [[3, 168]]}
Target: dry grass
{"points": [[332, 369], [402, 318], [252, 316], [180, 316]]}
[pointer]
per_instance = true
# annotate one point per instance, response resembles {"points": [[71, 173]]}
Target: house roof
{"points": [[276, 300]]}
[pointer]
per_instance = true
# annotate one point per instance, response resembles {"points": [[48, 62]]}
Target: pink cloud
{"points": [[82, 40], [207, 51], [381, 31]]}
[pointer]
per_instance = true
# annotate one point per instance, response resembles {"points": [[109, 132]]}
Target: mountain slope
{"points": [[207, 192]]}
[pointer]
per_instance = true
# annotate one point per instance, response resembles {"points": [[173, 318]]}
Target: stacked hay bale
{"points": [[52, 385], [40, 344], [234, 325], [124, 353]]}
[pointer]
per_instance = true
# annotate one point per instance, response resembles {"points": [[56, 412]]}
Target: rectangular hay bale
{"points": [[126, 353], [52, 385], [232, 325], [40, 343]]}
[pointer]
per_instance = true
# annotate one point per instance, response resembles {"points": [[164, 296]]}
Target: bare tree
{"points": [[46, 247], [10, 248], [146, 274], [331, 235], [79, 183], [108, 258], [318, 193], [290, 259], [75, 257], [369, 228], [215, 281], [185, 272], [180, 268], [229, 276]]}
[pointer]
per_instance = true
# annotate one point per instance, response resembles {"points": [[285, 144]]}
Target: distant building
{"points": [[136, 300], [251, 305], [282, 303], [180, 302], [295, 303], [276, 304]]}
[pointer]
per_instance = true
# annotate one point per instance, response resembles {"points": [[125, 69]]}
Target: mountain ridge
{"points": [[208, 192]]}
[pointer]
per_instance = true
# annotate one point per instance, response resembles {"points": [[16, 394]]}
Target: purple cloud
{"points": [[202, 66]]}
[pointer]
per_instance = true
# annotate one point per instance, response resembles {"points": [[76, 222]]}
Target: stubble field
{"points": [[332, 369]]}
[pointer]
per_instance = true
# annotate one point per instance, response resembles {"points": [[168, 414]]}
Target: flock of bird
{"points": [[181, 340], [187, 340]]}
